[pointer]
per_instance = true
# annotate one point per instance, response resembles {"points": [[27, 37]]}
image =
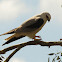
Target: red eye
{"points": [[47, 17]]}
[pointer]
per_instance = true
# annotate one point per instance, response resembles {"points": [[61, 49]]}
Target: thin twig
{"points": [[10, 56], [17, 49]]}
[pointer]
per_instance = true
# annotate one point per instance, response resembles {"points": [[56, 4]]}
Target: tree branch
{"points": [[19, 46], [9, 57], [42, 43]]}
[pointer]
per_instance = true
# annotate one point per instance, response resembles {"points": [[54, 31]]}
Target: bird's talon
{"points": [[37, 39]]}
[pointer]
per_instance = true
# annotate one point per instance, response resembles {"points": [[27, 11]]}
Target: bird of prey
{"points": [[28, 28]]}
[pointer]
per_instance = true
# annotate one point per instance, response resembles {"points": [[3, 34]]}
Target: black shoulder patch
{"points": [[37, 24]]}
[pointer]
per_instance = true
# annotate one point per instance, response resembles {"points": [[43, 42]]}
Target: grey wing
{"points": [[27, 26], [21, 28], [31, 25]]}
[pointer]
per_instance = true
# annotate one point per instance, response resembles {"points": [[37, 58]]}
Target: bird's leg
{"points": [[60, 39], [38, 37]]}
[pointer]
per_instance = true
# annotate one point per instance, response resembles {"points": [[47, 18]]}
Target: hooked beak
{"points": [[48, 20]]}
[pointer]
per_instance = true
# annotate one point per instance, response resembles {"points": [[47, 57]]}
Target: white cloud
{"points": [[52, 6], [10, 9], [17, 60]]}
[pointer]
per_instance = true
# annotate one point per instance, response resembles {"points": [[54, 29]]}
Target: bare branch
{"points": [[19, 46], [42, 43], [9, 57]]}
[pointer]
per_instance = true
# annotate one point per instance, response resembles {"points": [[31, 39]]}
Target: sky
{"points": [[14, 12]]}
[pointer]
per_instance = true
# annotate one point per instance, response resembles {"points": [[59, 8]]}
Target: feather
{"points": [[9, 32], [37, 24], [12, 38]]}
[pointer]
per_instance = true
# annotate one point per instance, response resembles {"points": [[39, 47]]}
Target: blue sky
{"points": [[14, 12]]}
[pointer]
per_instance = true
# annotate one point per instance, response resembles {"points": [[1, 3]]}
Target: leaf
{"points": [[58, 58], [48, 60], [0, 58], [51, 54], [58, 52], [53, 60], [61, 54]]}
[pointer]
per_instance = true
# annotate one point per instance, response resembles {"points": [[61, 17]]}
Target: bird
{"points": [[29, 28]]}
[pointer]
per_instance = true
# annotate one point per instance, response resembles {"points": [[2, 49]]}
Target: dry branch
{"points": [[19, 46], [42, 43]]}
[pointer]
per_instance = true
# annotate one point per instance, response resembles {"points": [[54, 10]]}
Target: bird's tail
{"points": [[9, 32], [9, 38], [12, 38], [4, 34]]}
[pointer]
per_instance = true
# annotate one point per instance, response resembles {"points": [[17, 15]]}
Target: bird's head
{"points": [[45, 16], [48, 16]]}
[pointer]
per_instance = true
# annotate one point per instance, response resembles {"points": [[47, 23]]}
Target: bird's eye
{"points": [[47, 17]]}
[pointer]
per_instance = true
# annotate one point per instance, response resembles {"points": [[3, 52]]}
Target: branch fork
{"points": [[19, 46]]}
